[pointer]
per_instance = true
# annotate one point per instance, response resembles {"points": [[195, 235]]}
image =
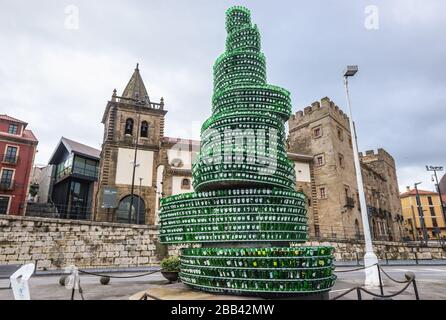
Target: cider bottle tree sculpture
{"points": [[245, 213]]}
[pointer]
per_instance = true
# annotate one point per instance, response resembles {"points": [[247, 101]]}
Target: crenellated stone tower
{"points": [[322, 131]]}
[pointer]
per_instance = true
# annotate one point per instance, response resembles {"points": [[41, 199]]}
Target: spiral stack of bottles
{"points": [[245, 211]]}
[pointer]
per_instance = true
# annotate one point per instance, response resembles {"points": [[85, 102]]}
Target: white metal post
{"points": [[370, 258]]}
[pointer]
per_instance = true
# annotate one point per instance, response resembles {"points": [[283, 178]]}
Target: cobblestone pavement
{"points": [[431, 281]]}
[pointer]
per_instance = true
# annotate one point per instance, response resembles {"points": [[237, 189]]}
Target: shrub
{"points": [[171, 264]]}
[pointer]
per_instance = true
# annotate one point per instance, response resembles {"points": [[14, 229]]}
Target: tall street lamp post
{"points": [[139, 103], [139, 200], [370, 258], [421, 214], [435, 169]]}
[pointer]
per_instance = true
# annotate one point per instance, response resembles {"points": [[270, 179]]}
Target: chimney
{"points": [[408, 189]]}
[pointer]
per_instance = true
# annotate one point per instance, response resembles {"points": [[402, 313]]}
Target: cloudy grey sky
{"points": [[59, 79]]}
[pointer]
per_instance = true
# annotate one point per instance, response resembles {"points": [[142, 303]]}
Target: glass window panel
{"points": [[79, 165], [4, 202], [12, 151], [13, 128], [79, 162], [11, 154], [7, 176]]}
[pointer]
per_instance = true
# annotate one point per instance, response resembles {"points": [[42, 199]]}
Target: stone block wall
{"points": [[55, 243], [349, 250]]}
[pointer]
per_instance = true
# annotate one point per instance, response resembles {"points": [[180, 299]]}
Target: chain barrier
{"points": [[120, 277], [74, 281], [146, 297], [357, 269], [410, 279], [394, 280]]}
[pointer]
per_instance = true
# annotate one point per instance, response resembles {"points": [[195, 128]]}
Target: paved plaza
{"points": [[431, 281]]}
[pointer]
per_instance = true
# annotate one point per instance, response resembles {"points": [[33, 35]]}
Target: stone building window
{"points": [[129, 127], [185, 184], [384, 227], [340, 134], [322, 193], [137, 214], [144, 129], [357, 230], [317, 132], [374, 229], [341, 160], [350, 142], [319, 160]]}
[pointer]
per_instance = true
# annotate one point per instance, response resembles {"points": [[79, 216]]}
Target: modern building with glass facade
{"points": [[74, 176]]}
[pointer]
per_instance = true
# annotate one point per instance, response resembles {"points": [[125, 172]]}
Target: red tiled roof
{"points": [[8, 118], [29, 135], [420, 192]]}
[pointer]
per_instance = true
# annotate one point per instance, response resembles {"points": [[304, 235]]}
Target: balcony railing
{"points": [[93, 174], [9, 159], [145, 103], [7, 185], [59, 211], [349, 202]]}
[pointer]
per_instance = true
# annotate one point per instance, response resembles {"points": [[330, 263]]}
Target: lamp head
{"points": [[350, 71]]}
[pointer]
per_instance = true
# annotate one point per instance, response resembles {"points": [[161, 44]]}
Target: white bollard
{"points": [[19, 282], [73, 279]]}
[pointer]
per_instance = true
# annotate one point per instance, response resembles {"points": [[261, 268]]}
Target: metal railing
{"points": [[349, 232], [69, 171], [145, 103], [349, 202], [415, 259], [410, 280], [59, 211]]}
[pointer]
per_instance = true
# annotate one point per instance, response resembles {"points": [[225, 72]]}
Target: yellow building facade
{"points": [[434, 219]]}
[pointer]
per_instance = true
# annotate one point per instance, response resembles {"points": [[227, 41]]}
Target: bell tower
{"points": [[133, 129]]}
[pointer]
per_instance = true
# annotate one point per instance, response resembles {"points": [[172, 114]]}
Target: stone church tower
{"points": [[131, 123]]}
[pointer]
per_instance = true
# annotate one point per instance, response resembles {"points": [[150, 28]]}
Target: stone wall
{"points": [[55, 243], [351, 250]]}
